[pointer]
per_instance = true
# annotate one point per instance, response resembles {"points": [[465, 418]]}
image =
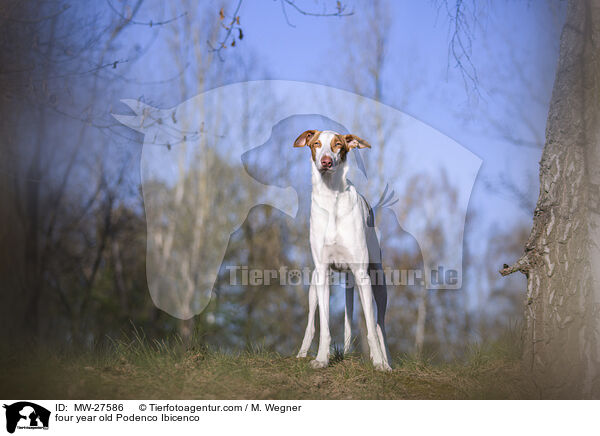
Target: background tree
{"points": [[561, 255]]}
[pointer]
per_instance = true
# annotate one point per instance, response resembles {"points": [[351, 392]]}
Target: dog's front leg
{"points": [[309, 333], [348, 315], [322, 286]]}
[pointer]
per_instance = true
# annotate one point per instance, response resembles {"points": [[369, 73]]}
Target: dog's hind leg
{"points": [[365, 290], [309, 333], [380, 294], [348, 315]]}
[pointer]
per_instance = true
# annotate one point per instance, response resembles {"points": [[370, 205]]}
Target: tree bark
{"points": [[562, 256]]}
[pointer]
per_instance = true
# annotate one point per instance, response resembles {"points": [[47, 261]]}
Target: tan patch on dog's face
{"points": [[338, 144], [314, 143], [310, 138]]}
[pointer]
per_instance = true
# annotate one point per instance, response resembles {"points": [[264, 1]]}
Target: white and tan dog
{"points": [[342, 238]]}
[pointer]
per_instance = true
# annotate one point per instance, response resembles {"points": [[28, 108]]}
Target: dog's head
{"points": [[329, 149]]}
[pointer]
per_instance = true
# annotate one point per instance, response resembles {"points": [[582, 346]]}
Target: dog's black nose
{"points": [[326, 162]]}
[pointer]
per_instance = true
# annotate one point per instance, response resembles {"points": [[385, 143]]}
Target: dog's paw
{"points": [[316, 364], [383, 367], [301, 354]]}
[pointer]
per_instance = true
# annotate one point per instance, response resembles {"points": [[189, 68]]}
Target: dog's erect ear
{"points": [[303, 139], [354, 141]]}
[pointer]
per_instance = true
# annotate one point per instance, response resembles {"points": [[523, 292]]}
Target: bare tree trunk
{"points": [[119, 278], [421, 317], [562, 255], [33, 280], [186, 329]]}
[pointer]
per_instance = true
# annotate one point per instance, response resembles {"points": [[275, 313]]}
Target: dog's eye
{"points": [[317, 144], [338, 144]]}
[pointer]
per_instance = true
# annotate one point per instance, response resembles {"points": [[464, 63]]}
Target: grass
{"points": [[134, 368]]}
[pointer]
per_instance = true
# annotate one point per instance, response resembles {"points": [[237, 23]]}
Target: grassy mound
{"points": [[137, 368]]}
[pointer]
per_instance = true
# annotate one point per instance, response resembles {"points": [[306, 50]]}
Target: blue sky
{"points": [[419, 78]]}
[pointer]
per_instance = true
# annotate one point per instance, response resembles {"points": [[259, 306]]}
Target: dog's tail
{"points": [[387, 199]]}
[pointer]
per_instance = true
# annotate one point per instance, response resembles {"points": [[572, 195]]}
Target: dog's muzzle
{"points": [[326, 162]]}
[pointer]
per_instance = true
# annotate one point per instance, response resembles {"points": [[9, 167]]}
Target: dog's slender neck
{"points": [[330, 182]]}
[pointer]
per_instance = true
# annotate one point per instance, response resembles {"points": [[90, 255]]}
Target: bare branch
{"points": [[340, 11], [461, 41], [151, 23], [521, 265], [232, 24]]}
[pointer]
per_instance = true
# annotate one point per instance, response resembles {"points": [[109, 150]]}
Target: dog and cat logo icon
{"points": [[26, 415]]}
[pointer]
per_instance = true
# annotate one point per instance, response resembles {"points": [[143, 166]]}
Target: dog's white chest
{"points": [[336, 228], [337, 217]]}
